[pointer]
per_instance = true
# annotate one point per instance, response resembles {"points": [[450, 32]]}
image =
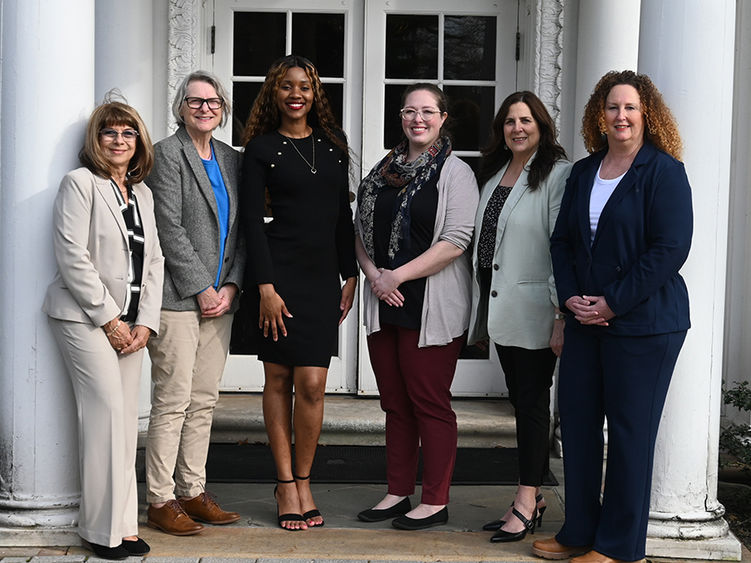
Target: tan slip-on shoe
{"points": [[551, 549]]}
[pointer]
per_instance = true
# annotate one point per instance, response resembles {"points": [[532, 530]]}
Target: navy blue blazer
{"points": [[642, 239]]}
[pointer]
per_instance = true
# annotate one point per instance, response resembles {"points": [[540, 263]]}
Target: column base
{"points": [[39, 536], [710, 541]]}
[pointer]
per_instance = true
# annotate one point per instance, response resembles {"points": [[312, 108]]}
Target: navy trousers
{"points": [[626, 379]]}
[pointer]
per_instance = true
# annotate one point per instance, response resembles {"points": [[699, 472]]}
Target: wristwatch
{"points": [[559, 316]]}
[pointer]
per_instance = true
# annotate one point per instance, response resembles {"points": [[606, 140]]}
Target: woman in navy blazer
{"points": [[622, 234]]}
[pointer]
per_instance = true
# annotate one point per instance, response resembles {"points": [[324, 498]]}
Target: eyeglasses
{"points": [[408, 114], [197, 103], [128, 135]]}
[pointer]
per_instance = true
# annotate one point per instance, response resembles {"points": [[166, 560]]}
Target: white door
{"points": [[468, 48], [248, 36], [366, 51]]}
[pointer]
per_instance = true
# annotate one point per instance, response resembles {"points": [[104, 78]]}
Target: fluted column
{"points": [[608, 39], [47, 94], [686, 47]]}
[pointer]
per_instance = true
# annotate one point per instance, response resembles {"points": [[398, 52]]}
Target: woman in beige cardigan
{"points": [[103, 306], [514, 303]]}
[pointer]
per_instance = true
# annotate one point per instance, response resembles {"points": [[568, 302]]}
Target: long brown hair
{"points": [[496, 154], [264, 116], [660, 127]]}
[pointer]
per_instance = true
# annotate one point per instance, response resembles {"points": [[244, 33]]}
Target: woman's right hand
{"points": [[118, 333], [389, 295], [272, 312]]}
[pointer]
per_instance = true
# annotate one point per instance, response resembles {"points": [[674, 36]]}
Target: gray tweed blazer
{"points": [[188, 220]]}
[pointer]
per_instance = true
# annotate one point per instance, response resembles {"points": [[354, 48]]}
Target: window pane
{"points": [[412, 47], [392, 123], [320, 38], [243, 96], [469, 47], [471, 110], [335, 94], [258, 41]]}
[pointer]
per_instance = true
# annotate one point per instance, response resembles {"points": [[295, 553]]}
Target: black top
{"points": [[132, 218], [489, 229], [423, 211], [308, 244]]}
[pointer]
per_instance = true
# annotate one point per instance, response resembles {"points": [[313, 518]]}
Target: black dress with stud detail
{"points": [[307, 249]]}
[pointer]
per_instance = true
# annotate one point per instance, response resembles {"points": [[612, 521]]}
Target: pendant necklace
{"points": [[312, 166]]}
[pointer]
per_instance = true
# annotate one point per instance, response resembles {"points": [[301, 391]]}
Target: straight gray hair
{"points": [[201, 76]]}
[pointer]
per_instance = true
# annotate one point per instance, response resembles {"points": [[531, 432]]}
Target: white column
{"points": [[130, 70], [686, 47], [47, 94], [608, 39]]}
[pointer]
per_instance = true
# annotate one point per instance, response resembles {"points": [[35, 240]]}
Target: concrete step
{"points": [[358, 421]]}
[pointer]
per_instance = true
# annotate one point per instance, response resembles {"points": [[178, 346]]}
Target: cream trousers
{"points": [[187, 360]]}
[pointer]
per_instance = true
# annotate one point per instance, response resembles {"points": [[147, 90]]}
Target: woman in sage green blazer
{"points": [[514, 302]]}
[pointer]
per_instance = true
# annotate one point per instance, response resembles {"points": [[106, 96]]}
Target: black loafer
{"points": [[380, 514], [137, 547], [116, 553], [407, 523]]}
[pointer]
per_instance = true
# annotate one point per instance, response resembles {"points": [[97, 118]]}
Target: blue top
{"points": [[222, 205]]}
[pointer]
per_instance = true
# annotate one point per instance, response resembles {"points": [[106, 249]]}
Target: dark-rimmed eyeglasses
{"points": [[408, 114], [196, 103], [128, 135]]}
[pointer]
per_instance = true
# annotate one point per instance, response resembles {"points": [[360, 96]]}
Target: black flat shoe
{"points": [[137, 547], [380, 514], [116, 553], [502, 536], [407, 523], [495, 525]]}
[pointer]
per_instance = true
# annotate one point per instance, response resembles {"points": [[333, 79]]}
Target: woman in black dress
{"points": [[296, 162]]}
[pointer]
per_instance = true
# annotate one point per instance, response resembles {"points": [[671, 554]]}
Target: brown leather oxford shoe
{"points": [[205, 509], [172, 519], [597, 557], [551, 549]]}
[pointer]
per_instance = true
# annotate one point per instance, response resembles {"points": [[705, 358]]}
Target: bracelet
{"points": [[114, 330], [559, 316]]}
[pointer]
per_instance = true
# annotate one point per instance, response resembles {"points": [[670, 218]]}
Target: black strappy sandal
{"points": [[310, 513], [289, 517]]}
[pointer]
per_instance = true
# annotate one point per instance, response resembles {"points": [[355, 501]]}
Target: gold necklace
{"points": [[311, 166]]}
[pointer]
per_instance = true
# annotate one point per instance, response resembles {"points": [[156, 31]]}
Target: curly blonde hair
{"points": [[660, 127], [264, 116]]}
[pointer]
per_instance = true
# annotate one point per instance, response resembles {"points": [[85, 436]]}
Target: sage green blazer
{"points": [[519, 311]]}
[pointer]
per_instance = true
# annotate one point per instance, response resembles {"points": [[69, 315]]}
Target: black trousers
{"points": [[529, 375]]}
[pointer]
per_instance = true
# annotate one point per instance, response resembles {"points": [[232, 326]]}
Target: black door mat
{"points": [[253, 463]]}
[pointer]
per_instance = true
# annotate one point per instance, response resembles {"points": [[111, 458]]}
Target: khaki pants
{"points": [[188, 360], [105, 385]]}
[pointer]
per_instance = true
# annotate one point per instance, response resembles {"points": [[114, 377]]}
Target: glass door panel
{"points": [[250, 35], [456, 47]]}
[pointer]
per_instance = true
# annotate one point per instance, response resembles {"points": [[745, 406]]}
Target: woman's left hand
{"points": [[598, 311], [348, 297], [140, 336], [556, 339], [386, 283]]}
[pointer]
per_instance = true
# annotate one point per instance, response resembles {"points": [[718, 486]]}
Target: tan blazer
{"points": [[91, 248], [522, 311]]}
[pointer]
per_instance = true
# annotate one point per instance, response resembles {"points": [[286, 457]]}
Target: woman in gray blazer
{"points": [[514, 303], [103, 306], [195, 181]]}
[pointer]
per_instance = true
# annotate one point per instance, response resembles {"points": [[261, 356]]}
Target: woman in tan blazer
{"points": [[103, 306], [514, 302]]}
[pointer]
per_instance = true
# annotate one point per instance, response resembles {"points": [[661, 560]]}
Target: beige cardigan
{"points": [[445, 308], [521, 314]]}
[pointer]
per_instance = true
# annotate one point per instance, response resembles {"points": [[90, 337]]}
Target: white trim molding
{"points": [[184, 49]]}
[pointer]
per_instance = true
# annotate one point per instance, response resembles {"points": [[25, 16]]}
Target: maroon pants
{"points": [[415, 388]]}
